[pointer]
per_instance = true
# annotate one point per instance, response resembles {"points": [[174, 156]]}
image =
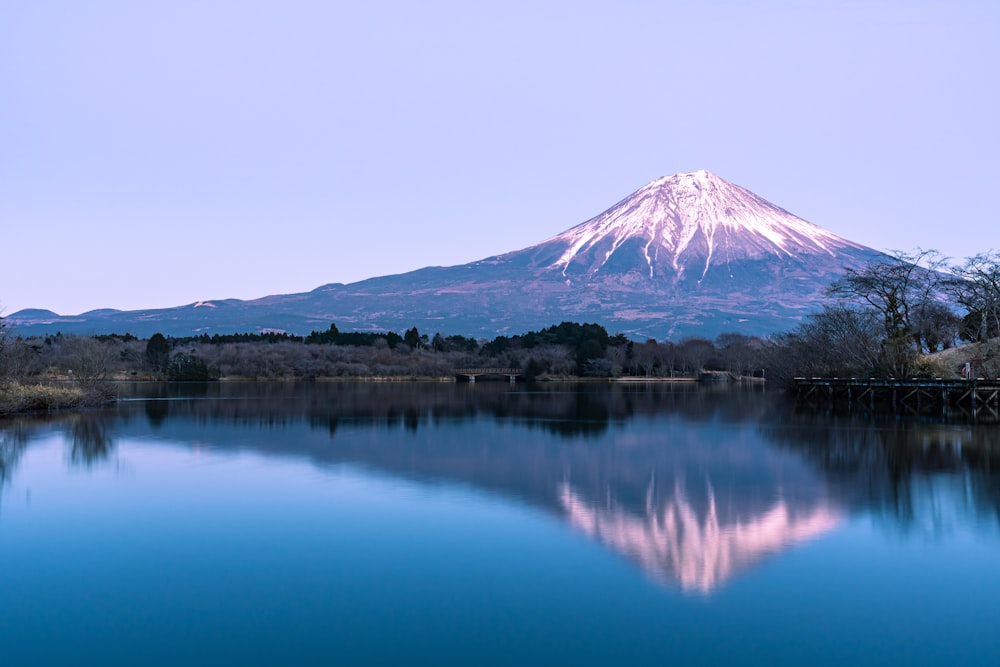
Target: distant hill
{"points": [[34, 313], [689, 254]]}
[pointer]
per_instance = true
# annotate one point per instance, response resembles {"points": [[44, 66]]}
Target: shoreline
{"points": [[55, 394]]}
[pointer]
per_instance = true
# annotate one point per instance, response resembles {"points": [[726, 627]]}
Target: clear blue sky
{"points": [[157, 153]]}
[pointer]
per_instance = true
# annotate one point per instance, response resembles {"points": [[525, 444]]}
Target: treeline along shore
{"points": [[71, 371], [901, 317], [565, 351]]}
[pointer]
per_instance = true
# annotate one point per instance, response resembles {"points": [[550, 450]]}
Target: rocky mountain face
{"points": [[686, 255]]}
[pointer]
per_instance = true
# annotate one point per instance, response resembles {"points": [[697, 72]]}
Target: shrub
{"points": [[187, 368]]}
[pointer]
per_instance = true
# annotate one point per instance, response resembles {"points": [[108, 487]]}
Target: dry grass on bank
{"points": [[984, 358], [17, 397]]}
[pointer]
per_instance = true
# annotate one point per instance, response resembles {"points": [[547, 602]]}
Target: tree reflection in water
{"points": [[91, 439], [899, 470], [692, 485], [14, 439]]}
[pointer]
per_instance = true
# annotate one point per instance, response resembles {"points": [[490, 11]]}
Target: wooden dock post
{"points": [[977, 399]]}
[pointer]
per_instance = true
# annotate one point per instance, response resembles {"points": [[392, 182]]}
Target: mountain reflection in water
{"points": [[691, 485], [675, 542]]}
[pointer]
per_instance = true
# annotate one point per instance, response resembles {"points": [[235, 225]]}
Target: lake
{"points": [[494, 524]]}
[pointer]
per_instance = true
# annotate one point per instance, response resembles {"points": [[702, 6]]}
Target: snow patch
{"points": [[670, 212]]}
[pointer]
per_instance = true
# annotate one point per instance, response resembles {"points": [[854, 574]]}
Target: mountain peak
{"points": [[681, 180], [680, 177], [686, 224]]}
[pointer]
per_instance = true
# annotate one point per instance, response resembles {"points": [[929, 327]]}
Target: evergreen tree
{"points": [[412, 338], [186, 367], [158, 352]]}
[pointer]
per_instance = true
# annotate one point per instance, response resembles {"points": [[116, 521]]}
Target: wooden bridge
{"points": [[976, 399], [470, 374]]}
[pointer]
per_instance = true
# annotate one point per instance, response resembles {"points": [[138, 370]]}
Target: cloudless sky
{"points": [[157, 153]]}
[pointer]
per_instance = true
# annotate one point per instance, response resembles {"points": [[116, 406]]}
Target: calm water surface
{"points": [[263, 524]]}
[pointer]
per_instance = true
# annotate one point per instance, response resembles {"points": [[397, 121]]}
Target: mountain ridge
{"points": [[688, 254], [660, 213]]}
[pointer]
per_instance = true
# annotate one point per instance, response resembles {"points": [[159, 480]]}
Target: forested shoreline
{"points": [[894, 319]]}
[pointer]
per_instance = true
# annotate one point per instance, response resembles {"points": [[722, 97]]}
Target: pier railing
{"points": [[977, 399]]}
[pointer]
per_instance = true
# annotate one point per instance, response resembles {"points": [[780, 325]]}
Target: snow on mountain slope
{"points": [[688, 223]]}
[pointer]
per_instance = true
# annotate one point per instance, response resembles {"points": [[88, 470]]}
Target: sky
{"points": [[158, 153]]}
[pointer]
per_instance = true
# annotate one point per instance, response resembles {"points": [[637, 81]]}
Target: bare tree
{"points": [[16, 356], [839, 341], [694, 354], [738, 352], [902, 288], [655, 358], [976, 287], [938, 325], [618, 356], [89, 360]]}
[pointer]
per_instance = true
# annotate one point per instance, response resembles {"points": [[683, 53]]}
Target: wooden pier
{"points": [[975, 399], [470, 374]]}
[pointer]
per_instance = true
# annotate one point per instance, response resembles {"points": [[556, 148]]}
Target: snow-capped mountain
{"points": [[689, 254], [684, 225]]}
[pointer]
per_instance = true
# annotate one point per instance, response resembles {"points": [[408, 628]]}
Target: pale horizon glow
{"points": [[161, 153]]}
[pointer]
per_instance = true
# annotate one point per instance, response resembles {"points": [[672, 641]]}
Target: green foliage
{"points": [[495, 347], [413, 338], [188, 368], [563, 350], [271, 337], [586, 351], [157, 352], [120, 338], [585, 343], [532, 369], [334, 336], [571, 334], [568, 333]]}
